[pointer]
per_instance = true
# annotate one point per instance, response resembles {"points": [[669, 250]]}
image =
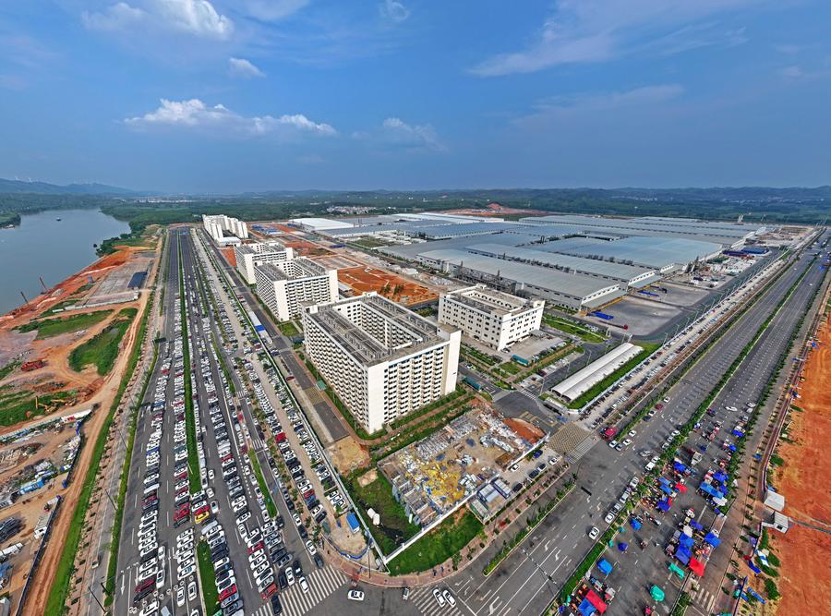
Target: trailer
{"points": [[520, 360], [602, 315], [472, 383]]}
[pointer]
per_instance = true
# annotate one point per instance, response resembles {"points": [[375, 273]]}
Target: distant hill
{"points": [[44, 188]]}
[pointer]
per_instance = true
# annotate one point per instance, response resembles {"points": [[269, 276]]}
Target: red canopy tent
{"points": [[681, 488], [596, 601], [697, 567]]}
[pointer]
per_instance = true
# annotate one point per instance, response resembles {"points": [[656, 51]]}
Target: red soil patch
{"points": [[387, 284], [306, 249], [524, 429], [804, 481], [286, 228], [229, 255]]}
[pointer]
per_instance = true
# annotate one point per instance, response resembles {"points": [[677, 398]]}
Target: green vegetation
{"points": [[102, 350], [596, 389], [288, 328], [207, 577], [9, 368], [571, 327], [445, 541], [411, 417], [190, 419], [771, 589], [420, 430], [510, 367], [371, 242], [54, 327], [681, 605], [58, 593], [479, 357], [221, 360], [9, 219], [20, 405], [261, 481], [394, 529]]}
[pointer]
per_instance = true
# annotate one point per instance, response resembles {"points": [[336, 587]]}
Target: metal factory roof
{"points": [[617, 271], [667, 226], [574, 285], [654, 252], [460, 229]]}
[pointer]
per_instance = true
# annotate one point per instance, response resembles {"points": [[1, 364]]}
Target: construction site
{"points": [[392, 286], [433, 476]]}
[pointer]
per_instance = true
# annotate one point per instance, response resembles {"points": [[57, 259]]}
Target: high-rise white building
{"points": [[491, 317], [249, 255], [224, 230], [382, 360], [286, 286]]}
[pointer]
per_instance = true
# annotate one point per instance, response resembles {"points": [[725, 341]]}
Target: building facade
{"points": [[382, 360], [249, 255], [224, 230], [286, 286], [491, 317]]}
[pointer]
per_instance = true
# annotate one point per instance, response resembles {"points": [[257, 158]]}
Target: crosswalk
{"points": [[704, 599], [427, 604], [295, 602]]}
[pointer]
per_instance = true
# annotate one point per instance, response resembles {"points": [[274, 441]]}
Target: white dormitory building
{"points": [[286, 286], [492, 317], [382, 360], [224, 230], [249, 255]]}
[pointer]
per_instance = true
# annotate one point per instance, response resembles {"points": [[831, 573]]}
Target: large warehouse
{"points": [[382, 360], [660, 253], [630, 275], [575, 291]]}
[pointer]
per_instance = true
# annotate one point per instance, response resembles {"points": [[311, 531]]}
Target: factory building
{"points": [[492, 317], [572, 290], [249, 255], [224, 230], [286, 286], [382, 360]]}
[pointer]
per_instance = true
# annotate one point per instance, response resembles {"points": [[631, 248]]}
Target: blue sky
{"points": [[228, 96]]}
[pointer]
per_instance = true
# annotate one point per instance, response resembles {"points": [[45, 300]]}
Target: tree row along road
{"points": [[526, 582]]}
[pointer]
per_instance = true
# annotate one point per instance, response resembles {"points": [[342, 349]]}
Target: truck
{"points": [[520, 360], [602, 315], [609, 433]]}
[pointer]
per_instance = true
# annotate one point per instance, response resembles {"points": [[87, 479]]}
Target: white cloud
{"points": [[394, 11], [600, 30], [114, 17], [274, 10], [792, 72], [240, 67], [194, 114], [397, 132], [196, 17]]}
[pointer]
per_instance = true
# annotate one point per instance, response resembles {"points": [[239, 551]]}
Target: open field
{"points": [[47, 328], [804, 481], [391, 286], [102, 350]]}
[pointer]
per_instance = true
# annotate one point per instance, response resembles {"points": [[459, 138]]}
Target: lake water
{"points": [[43, 247]]}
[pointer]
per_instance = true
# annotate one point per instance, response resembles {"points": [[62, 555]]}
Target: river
{"points": [[44, 247]]}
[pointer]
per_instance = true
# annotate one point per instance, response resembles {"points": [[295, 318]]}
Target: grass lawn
{"points": [[207, 577], [54, 327], [102, 350], [8, 369], [583, 333], [394, 528], [261, 481], [440, 544], [17, 406], [287, 328]]}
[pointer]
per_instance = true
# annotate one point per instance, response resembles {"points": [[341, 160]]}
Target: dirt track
{"points": [[36, 602], [804, 481]]}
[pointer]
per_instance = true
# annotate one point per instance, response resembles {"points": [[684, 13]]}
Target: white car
{"points": [[594, 532], [355, 595], [180, 596], [449, 597], [439, 598], [311, 547], [613, 444], [192, 591], [609, 517], [304, 585]]}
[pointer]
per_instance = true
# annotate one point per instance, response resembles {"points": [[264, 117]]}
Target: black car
{"points": [[222, 569], [297, 568], [277, 609], [282, 581], [229, 600], [231, 609], [319, 561], [219, 552], [302, 531]]}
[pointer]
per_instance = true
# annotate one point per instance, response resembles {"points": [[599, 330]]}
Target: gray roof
{"points": [[655, 252], [618, 271], [575, 285], [666, 226], [411, 251], [461, 229]]}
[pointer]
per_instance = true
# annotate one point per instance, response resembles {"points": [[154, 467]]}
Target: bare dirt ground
{"points": [[388, 284], [303, 248], [348, 454], [804, 481], [229, 255], [36, 602]]}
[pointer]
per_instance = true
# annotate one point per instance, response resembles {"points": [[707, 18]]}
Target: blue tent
{"points": [[732, 447], [664, 481], [635, 523], [685, 541], [586, 608], [679, 467], [706, 487], [712, 539], [737, 433], [666, 489], [682, 555], [752, 566], [721, 477], [663, 505], [756, 595], [605, 566], [695, 525], [622, 547]]}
